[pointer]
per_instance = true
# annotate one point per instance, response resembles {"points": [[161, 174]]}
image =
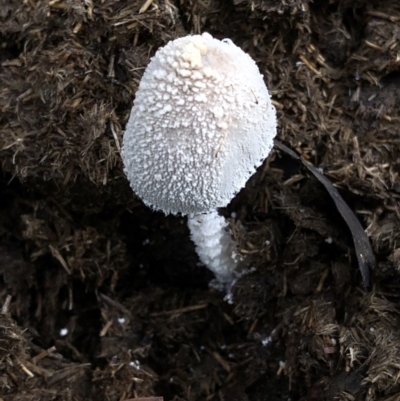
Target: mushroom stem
{"points": [[215, 247]]}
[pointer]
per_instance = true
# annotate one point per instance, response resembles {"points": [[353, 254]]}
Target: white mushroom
{"points": [[201, 124]]}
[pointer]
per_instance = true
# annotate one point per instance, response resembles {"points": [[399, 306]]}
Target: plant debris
{"points": [[363, 249]]}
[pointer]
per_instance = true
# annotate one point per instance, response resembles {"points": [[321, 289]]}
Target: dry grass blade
{"points": [[363, 249]]}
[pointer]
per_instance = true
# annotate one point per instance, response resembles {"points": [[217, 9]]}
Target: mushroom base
{"points": [[215, 247]]}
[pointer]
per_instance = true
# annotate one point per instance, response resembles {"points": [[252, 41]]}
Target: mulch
{"points": [[104, 299]]}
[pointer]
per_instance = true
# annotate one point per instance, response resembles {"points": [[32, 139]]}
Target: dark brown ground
{"points": [[79, 252]]}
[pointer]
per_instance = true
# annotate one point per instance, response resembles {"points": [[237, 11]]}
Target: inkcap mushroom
{"points": [[202, 122]]}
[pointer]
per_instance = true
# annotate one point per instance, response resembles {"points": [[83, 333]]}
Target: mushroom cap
{"points": [[201, 124]]}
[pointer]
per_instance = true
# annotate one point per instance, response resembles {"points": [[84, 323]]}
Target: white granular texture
{"points": [[201, 124], [215, 246]]}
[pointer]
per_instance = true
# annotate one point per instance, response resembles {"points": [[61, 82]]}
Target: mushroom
{"points": [[201, 124]]}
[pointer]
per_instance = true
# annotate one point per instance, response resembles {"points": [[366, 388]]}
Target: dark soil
{"points": [[103, 299]]}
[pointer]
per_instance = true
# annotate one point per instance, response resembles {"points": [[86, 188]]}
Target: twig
{"points": [[25, 369], [221, 361], [180, 310], [106, 327], [43, 354], [115, 304], [55, 252], [6, 305], [146, 399]]}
